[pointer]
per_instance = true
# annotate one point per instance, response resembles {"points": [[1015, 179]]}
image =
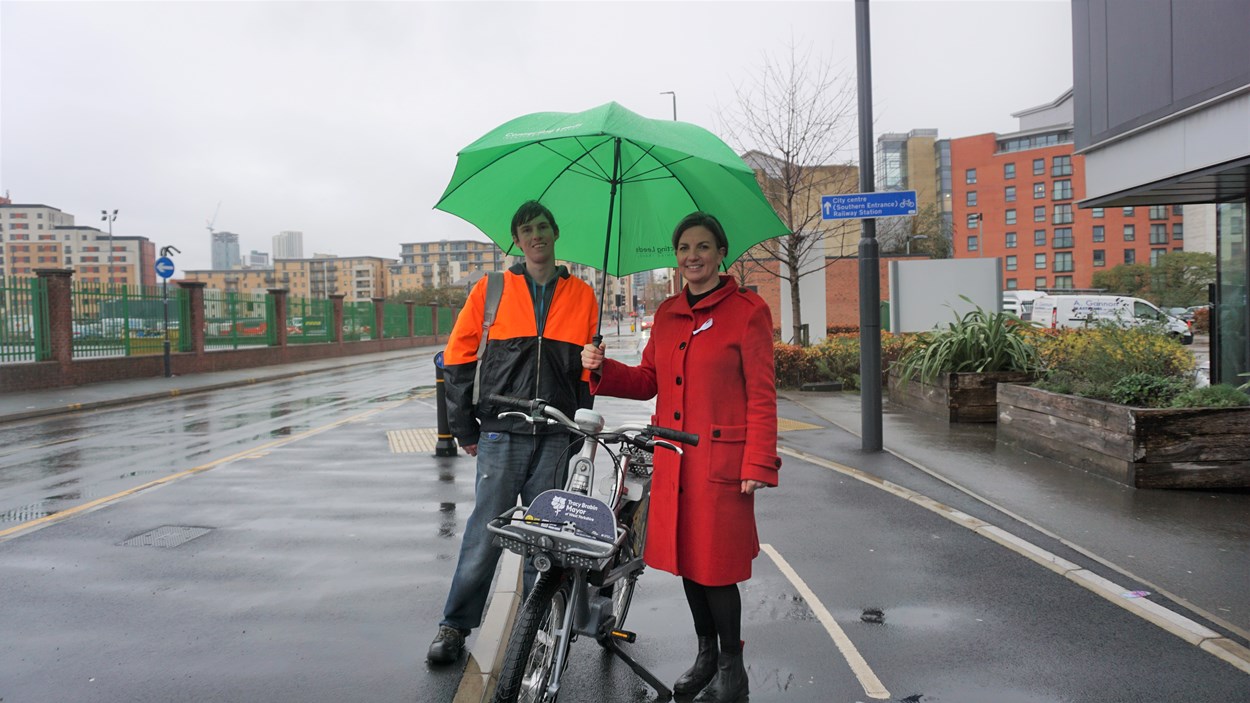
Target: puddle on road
{"points": [[448, 523]]}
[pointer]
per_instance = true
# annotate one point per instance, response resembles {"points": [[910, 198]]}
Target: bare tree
{"points": [[795, 123], [925, 233]]}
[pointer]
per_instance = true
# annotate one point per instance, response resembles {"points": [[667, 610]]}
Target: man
{"points": [[534, 347]]}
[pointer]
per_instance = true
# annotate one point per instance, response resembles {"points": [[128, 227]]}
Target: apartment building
{"points": [[1015, 196], [358, 278], [36, 236], [444, 263], [288, 244], [225, 250], [919, 161]]}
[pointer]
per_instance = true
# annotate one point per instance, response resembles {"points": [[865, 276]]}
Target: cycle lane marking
{"points": [[867, 679], [1191, 631], [32, 525]]}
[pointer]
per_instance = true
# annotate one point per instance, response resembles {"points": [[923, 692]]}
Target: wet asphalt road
{"points": [[325, 556]]}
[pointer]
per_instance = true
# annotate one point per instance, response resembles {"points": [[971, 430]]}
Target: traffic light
{"points": [[620, 299]]}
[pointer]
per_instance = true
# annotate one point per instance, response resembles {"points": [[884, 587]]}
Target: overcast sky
{"points": [[342, 120]]}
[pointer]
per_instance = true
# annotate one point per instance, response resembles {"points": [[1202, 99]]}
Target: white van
{"points": [[1020, 302], [1055, 311]]}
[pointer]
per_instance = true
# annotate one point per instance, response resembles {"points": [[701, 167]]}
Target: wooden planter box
{"points": [[955, 397], [1141, 447]]}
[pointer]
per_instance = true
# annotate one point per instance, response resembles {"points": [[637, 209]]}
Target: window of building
{"points": [[970, 176], [1130, 256], [971, 198], [1158, 212], [1130, 233], [1011, 216], [1178, 231], [1039, 167], [1061, 166], [1063, 262], [1009, 194], [1158, 234], [1100, 233], [1010, 240], [1039, 213], [974, 220], [972, 243], [1128, 212], [1097, 213], [1063, 282], [1100, 258], [1155, 254], [1039, 237], [1178, 210], [1062, 190], [1009, 171], [1039, 283], [1011, 284], [1010, 263], [1039, 261], [1062, 214], [1039, 191], [1062, 238]]}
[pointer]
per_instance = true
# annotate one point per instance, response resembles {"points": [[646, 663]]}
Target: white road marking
{"points": [[871, 684]]}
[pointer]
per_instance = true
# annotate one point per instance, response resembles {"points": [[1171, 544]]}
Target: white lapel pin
{"points": [[704, 326]]}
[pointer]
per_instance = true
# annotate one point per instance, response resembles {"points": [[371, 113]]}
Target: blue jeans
{"points": [[508, 465]]}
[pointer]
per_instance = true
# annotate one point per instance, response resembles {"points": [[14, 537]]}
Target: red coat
{"points": [[712, 368]]}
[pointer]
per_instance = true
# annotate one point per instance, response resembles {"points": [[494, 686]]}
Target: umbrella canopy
{"points": [[616, 182]]}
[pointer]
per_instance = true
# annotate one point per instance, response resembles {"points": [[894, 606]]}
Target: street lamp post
{"points": [[674, 96], [106, 217], [911, 237]]}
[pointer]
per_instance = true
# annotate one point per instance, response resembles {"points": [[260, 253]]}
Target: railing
{"points": [[309, 321], [111, 319], [358, 321], [233, 320], [394, 320], [24, 320]]}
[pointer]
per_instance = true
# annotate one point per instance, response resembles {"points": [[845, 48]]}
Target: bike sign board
{"points": [[164, 267], [863, 206]]}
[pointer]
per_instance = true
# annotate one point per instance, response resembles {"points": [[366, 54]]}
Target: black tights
{"points": [[717, 612]]}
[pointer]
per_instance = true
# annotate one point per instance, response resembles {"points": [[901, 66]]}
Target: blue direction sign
{"points": [[164, 267], [861, 206]]}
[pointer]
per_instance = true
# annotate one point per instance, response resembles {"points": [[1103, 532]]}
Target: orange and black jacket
{"points": [[519, 361]]}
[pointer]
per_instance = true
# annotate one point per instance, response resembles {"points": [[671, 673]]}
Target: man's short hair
{"points": [[528, 212], [697, 219]]}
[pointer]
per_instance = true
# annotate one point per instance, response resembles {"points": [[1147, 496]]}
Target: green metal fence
{"points": [[446, 318], [357, 321], [233, 320], [394, 320], [112, 319], [309, 321], [24, 320]]}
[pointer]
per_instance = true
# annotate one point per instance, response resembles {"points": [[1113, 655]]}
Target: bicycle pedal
{"points": [[625, 635]]}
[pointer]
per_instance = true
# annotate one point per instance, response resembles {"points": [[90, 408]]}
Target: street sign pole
{"points": [[165, 269], [869, 274]]}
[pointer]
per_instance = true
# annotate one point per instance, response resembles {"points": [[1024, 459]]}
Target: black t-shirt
{"points": [[694, 298]]}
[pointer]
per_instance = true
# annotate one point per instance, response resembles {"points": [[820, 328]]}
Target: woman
{"points": [[709, 364]]}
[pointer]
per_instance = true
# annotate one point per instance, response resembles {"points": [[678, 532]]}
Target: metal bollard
{"points": [[446, 444]]}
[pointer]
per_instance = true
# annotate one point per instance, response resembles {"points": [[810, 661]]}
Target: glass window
{"points": [[1158, 212], [974, 220], [1130, 233], [1063, 282], [1010, 262], [1128, 212], [971, 198], [1039, 191], [1039, 261], [1011, 240], [1011, 216], [1178, 210], [1039, 213], [1062, 190], [1039, 167], [1155, 254], [1063, 262], [1039, 237], [970, 176], [1158, 234], [1063, 214], [1178, 231], [1100, 257], [1009, 171], [1009, 194], [1039, 283], [1011, 284], [1097, 213], [972, 243], [1061, 166], [1130, 256], [1063, 238], [1100, 233]]}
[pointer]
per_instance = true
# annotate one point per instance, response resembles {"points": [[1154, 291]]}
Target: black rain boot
{"points": [[730, 684], [697, 676]]}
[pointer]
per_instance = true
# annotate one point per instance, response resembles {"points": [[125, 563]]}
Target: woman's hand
{"points": [[750, 486], [592, 357]]}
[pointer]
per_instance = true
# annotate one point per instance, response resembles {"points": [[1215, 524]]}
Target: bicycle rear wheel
{"points": [[530, 659], [622, 591]]}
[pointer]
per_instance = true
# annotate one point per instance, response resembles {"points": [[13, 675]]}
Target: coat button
{"points": [[715, 433], [677, 415], [679, 380], [681, 346]]}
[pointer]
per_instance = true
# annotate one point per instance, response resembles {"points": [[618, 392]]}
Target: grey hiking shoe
{"points": [[447, 646]]}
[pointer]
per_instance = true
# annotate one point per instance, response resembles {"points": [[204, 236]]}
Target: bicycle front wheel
{"points": [[535, 644]]}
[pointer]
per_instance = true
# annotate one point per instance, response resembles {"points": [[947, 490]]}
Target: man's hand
{"points": [[592, 357], [470, 449]]}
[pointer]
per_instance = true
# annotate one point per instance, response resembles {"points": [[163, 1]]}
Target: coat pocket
{"points": [[728, 442]]}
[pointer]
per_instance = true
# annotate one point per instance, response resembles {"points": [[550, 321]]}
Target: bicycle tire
{"points": [[622, 591], [527, 669]]}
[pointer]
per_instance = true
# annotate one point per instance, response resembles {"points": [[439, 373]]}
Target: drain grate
{"points": [[785, 425], [167, 536], [407, 441]]}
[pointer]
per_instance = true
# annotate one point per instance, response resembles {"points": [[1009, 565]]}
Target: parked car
{"points": [[1020, 302], [1057, 311]]}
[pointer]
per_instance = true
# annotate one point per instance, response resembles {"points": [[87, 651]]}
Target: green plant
{"points": [[979, 341], [1144, 390], [1099, 363], [1223, 395]]}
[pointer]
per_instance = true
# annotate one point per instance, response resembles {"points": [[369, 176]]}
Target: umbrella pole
{"points": [[607, 239]]}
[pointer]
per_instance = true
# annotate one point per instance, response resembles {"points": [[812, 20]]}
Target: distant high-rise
{"points": [[288, 244], [226, 251]]}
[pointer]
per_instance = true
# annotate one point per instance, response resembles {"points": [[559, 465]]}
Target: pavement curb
{"points": [[481, 673]]}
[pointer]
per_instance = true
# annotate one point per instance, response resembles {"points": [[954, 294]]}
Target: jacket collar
{"points": [[682, 305], [519, 269]]}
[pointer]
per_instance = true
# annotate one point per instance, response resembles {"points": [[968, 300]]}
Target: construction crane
{"points": [[214, 220]]}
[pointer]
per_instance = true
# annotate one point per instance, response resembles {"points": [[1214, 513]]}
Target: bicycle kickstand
{"points": [[664, 691]]}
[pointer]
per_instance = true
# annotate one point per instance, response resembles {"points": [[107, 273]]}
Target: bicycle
{"points": [[588, 552]]}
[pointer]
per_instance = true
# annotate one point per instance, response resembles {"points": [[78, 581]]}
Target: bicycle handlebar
{"points": [[539, 407]]}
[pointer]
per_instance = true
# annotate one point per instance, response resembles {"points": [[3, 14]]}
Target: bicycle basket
{"points": [[576, 530]]}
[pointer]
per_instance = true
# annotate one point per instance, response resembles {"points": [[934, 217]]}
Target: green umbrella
{"points": [[617, 183]]}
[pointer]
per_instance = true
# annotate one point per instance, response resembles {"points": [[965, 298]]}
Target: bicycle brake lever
{"points": [[662, 443], [516, 413]]}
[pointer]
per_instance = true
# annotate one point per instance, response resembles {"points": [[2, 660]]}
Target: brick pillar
{"points": [[279, 315], [378, 317], [411, 304], [60, 313], [336, 303], [196, 319]]}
